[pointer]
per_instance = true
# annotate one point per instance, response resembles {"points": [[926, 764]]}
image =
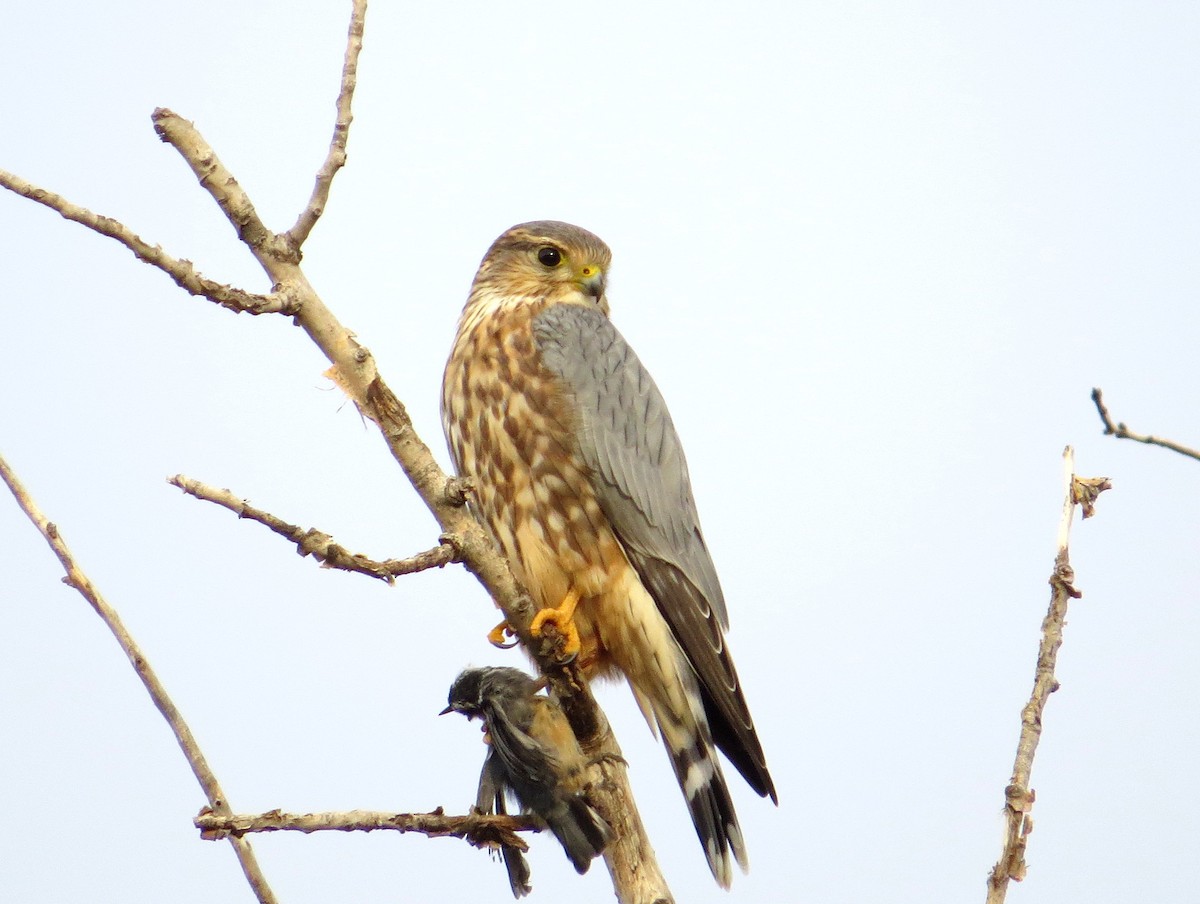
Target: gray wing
{"points": [[629, 441], [524, 764], [641, 481]]}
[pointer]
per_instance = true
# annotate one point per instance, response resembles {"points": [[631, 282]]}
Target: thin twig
{"points": [[318, 544], [1018, 796], [1120, 431], [181, 271], [478, 828], [187, 742], [336, 158]]}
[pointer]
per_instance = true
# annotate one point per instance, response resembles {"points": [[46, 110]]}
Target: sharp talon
{"points": [[497, 634], [612, 759], [563, 655], [564, 623]]}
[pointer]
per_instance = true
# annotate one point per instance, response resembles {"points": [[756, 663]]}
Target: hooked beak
{"points": [[593, 281]]}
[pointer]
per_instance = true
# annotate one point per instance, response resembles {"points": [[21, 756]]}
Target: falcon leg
{"points": [[497, 634], [563, 619]]}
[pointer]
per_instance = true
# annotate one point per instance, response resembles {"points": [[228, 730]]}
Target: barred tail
{"points": [[699, 774]]}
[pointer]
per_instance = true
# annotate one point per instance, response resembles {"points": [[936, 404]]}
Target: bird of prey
{"points": [[533, 754], [580, 477]]}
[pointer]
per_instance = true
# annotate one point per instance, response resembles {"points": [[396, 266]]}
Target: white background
{"points": [[876, 256]]}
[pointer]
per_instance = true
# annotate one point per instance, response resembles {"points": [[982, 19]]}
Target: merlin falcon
{"points": [[580, 477]]}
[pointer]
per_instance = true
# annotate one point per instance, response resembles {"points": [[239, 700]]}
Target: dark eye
{"points": [[549, 257]]}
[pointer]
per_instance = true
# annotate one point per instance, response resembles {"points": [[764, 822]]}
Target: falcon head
{"points": [[545, 261]]}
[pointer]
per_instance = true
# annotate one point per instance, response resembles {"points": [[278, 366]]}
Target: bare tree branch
{"points": [[319, 544], [219, 182], [1120, 431], [181, 271], [336, 158], [77, 579], [478, 828], [1018, 796]]}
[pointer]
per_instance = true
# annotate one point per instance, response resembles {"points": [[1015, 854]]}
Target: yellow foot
{"points": [[497, 634], [564, 622]]}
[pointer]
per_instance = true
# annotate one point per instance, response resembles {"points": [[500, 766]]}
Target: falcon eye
{"points": [[549, 257]]}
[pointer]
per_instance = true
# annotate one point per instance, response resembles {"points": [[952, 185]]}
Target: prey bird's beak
{"points": [[448, 709]]}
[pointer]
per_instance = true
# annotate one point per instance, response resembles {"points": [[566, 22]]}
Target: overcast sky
{"points": [[876, 256]]}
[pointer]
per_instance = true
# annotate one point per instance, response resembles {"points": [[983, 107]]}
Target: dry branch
{"points": [[77, 579], [181, 271], [336, 158], [318, 544], [478, 828], [1018, 796], [1120, 431]]}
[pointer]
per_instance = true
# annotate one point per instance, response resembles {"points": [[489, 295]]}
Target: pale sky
{"points": [[876, 256]]}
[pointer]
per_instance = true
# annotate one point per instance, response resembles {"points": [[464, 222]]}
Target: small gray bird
{"points": [[535, 756]]}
